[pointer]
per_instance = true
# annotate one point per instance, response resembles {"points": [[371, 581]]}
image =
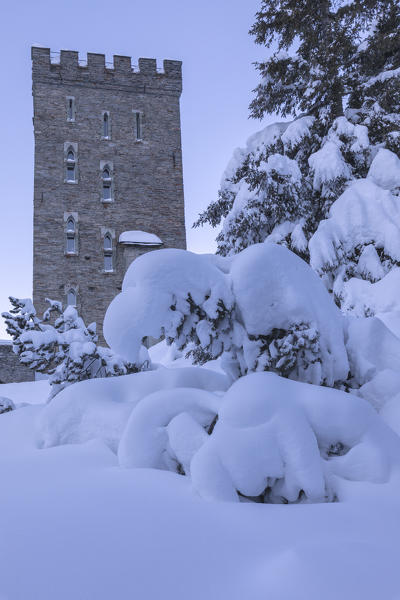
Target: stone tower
{"points": [[108, 174]]}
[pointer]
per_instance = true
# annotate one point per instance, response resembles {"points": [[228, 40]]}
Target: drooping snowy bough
{"points": [[264, 309]]}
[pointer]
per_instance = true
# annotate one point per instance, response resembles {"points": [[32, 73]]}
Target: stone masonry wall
{"points": [[11, 370], [147, 174]]}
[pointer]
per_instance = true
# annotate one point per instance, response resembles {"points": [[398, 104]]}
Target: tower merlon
{"points": [[96, 65], [69, 59]]}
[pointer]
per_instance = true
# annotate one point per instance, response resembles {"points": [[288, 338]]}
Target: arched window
{"points": [[71, 165], [106, 125], [106, 185], [108, 253], [70, 233], [71, 297]]}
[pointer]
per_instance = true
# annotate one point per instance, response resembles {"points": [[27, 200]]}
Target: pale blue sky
{"points": [[211, 39]]}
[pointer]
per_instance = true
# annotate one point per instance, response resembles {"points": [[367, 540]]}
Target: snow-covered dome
{"points": [[140, 238]]}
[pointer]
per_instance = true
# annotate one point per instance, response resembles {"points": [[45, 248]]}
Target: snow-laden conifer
{"points": [[298, 183], [66, 351], [264, 309]]}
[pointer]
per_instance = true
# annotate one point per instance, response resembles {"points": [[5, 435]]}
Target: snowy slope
{"points": [[75, 526]]}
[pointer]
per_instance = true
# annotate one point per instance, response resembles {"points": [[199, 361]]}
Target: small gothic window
{"points": [[106, 125], [106, 184], [71, 165], [71, 297], [71, 236], [108, 258]]}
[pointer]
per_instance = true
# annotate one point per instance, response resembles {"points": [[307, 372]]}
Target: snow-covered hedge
{"points": [[263, 309]]}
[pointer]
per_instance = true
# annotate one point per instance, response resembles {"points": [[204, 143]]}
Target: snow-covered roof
{"points": [[141, 238]]}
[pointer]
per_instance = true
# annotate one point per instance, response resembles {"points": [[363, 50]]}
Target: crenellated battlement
{"points": [[121, 70]]}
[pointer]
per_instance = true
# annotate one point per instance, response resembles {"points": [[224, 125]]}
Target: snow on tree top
{"points": [[141, 238]]}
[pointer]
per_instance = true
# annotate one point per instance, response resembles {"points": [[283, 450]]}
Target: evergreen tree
{"points": [[376, 78], [67, 352], [307, 72], [337, 63]]}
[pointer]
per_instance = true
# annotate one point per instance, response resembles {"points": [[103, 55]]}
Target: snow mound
{"points": [[100, 408], [361, 297], [390, 413], [381, 389], [6, 405], [26, 392], [371, 347], [167, 428], [288, 441], [385, 169]]}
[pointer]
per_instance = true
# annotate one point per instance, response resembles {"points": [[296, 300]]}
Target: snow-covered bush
{"points": [[68, 351], [371, 348], [180, 295], [6, 405], [267, 439], [263, 309], [284, 441]]}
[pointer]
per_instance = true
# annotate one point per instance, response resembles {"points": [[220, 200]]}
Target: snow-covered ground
{"points": [[30, 392], [76, 525]]}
